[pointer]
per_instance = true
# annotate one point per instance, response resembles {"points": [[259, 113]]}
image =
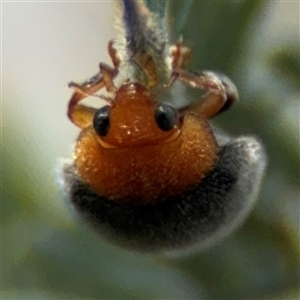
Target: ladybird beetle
{"points": [[149, 175]]}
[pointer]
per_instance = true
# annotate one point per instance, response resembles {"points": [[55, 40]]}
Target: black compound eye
{"points": [[101, 120], [166, 117]]}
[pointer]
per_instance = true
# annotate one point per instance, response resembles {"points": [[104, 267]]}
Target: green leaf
{"points": [[215, 29]]}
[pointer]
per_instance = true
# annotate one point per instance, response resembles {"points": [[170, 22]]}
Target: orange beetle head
{"points": [[132, 120]]}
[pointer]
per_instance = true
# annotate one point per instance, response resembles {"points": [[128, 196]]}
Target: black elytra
{"points": [[101, 121], [197, 217]]}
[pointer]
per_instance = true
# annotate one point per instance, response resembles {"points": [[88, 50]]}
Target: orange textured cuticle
{"points": [[132, 121], [141, 170]]}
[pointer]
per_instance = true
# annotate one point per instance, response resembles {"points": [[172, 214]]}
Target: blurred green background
{"points": [[46, 253]]}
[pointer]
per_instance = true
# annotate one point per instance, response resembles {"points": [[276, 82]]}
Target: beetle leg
{"points": [[82, 115], [113, 55], [221, 94], [180, 55]]}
